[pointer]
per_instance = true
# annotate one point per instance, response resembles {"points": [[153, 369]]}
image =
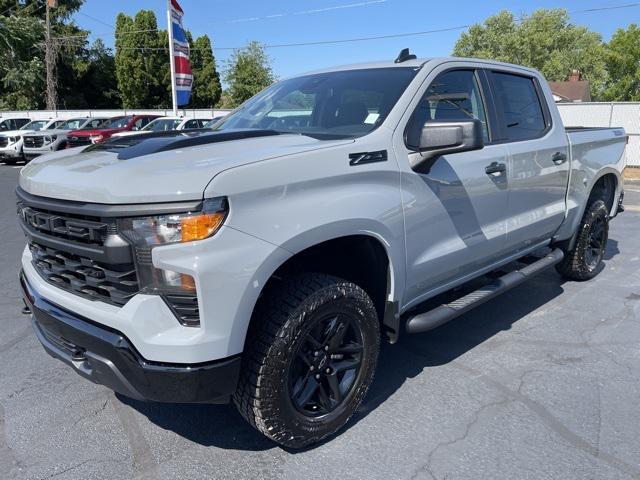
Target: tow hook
{"points": [[25, 310]]}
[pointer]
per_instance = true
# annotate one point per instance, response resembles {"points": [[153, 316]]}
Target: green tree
{"points": [[21, 67], [206, 88], [623, 65], [545, 40], [140, 59], [22, 72], [248, 72], [95, 69]]}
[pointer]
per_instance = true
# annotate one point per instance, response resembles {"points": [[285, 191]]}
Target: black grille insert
{"points": [[76, 228], [33, 142], [4, 141], [114, 284], [185, 308]]}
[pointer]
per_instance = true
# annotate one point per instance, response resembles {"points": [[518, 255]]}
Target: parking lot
{"points": [[542, 383]]}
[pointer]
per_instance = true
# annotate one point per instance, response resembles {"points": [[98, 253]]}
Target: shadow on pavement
{"points": [[223, 427]]}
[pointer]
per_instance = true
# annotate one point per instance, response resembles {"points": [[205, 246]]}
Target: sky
{"points": [[232, 24]]}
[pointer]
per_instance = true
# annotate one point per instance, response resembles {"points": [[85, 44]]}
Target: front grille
{"points": [[87, 256], [78, 141], [77, 228], [4, 141], [33, 142], [114, 284]]}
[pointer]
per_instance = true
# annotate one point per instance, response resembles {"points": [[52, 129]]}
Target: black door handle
{"points": [[495, 167], [559, 158]]}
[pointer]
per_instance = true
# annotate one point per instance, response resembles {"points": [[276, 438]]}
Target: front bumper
{"points": [[11, 152], [105, 356]]}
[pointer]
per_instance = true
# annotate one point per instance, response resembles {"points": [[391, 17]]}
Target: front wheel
{"points": [[584, 261], [309, 359]]}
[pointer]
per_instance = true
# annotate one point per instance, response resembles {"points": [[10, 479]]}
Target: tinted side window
{"points": [[452, 96], [522, 116], [191, 124]]}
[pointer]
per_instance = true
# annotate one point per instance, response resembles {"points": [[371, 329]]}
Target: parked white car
{"points": [[50, 140], [166, 124], [12, 141]]}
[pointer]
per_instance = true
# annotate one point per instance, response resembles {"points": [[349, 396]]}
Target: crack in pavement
{"points": [[68, 469], [555, 425], [144, 463], [467, 429], [547, 418]]}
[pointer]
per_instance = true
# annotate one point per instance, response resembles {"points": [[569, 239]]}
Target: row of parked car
{"points": [[26, 139]]}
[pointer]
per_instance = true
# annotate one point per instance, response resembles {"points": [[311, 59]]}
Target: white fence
{"points": [[616, 114], [44, 114]]}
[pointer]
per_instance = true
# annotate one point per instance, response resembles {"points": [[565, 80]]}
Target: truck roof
{"points": [[414, 63]]}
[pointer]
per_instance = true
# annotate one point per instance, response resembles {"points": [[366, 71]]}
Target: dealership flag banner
{"points": [[181, 74]]}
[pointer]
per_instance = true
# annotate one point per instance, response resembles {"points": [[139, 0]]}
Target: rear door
{"points": [[455, 213], [538, 165]]}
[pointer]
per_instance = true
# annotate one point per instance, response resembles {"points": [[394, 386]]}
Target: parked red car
{"points": [[78, 138]]}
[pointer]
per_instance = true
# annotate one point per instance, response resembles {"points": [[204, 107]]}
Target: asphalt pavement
{"points": [[541, 383]]}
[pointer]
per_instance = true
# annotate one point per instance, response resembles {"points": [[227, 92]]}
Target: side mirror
{"points": [[442, 138]]}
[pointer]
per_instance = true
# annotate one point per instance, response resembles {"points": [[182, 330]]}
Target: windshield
{"points": [[212, 122], [35, 125], [162, 125], [73, 124], [117, 122], [343, 104]]}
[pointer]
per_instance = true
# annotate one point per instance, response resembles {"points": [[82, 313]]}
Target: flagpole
{"points": [[174, 97]]}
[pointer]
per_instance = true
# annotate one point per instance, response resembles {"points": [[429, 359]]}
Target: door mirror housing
{"points": [[442, 138]]}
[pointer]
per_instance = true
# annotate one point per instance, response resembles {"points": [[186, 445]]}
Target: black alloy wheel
{"points": [[326, 365]]}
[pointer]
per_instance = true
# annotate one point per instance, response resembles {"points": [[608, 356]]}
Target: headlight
{"points": [[96, 138], [13, 140], [50, 139], [146, 233]]}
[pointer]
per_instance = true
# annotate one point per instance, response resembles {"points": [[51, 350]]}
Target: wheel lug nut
{"points": [[328, 370], [315, 354], [318, 376], [326, 347], [312, 368]]}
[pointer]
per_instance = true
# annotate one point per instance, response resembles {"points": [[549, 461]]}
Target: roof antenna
{"points": [[404, 56]]}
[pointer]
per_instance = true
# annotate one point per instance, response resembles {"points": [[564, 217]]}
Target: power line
{"points": [[377, 37]]}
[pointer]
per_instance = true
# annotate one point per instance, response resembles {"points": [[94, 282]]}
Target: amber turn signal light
{"points": [[201, 226]]}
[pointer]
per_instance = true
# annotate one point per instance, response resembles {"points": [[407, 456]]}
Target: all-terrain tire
{"points": [[584, 261], [284, 320]]}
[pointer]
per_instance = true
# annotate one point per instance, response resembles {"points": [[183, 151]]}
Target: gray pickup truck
{"points": [[265, 261]]}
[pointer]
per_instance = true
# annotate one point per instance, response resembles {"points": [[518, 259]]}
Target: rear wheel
{"points": [[584, 261], [309, 360]]}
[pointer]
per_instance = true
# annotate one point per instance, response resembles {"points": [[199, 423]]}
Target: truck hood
{"points": [[16, 133], [156, 167], [44, 133], [95, 131]]}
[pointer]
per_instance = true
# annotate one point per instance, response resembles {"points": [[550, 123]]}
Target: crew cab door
{"points": [[455, 213], [538, 165]]}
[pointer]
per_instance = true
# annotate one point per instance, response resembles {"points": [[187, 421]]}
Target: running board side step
{"points": [[423, 322]]}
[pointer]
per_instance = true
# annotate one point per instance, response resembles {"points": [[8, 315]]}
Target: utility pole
{"points": [[50, 60]]}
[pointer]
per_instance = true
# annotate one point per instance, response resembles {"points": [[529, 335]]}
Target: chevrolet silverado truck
{"points": [[12, 142], [41, 142], [125, 123], [265, 261]]}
